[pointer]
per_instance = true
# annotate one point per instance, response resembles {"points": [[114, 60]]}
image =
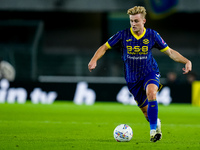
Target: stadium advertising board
{"points": [[84, 93], [196, 93]]}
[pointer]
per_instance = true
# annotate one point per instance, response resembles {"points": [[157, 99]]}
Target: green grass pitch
{"points": [[64, 125]]}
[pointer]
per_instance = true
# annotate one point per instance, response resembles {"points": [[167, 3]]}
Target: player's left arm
{"points": [[176, 56]]}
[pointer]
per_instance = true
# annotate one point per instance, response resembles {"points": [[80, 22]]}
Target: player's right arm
{"points": [[99, 53], [102, 50]]}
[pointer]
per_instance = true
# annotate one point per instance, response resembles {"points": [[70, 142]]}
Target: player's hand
{"points": [[188, 67], [92, 65]]}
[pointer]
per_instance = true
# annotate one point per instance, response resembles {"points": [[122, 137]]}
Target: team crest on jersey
{"points": [[146, 41]]}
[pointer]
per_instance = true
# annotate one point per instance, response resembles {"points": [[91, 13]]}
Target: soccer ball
{"points": [[123, 133]]}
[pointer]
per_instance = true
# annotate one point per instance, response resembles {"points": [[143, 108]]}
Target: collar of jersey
{"points": [[138, 37]]}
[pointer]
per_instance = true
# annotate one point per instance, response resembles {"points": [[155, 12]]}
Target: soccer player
{"points": [[140, 68]]}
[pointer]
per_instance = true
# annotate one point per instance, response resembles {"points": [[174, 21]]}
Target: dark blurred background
{"points": [[59, 37]]}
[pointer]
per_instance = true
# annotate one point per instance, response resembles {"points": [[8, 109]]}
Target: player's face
{"points": [[137, 22]]}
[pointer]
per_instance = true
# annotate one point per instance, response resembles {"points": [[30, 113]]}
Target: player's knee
{"points": [[151, 95], [151, 91]]}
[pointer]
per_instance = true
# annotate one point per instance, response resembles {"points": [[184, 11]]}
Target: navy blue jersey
{"points": [[136, 52]]}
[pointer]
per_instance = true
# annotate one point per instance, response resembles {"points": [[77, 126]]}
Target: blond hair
{"points": [[137, 10]]}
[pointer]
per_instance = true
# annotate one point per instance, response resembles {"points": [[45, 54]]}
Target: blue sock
{"points": [[152, 113]]}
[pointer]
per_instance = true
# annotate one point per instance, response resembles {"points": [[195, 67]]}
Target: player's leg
{"points": [[151, 86], [140, 96], [152, 111], [144, 110], [158, 128]]}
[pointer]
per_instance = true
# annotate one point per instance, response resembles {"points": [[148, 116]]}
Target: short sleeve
{"points": [[114, 40], [160, 43]]}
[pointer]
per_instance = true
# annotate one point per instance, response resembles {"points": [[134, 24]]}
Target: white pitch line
{"points": [[182, 125], [99, 123]]}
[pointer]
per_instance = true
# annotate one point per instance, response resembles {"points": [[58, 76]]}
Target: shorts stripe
{"points": [[143, 103], [148, 81]]}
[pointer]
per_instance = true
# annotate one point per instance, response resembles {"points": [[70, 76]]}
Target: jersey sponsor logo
{"points": [[136, 58], [146, 41], [137, 50], [128, 40]]}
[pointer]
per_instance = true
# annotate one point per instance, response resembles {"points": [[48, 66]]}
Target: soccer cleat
{"points": [[153, 136], [158, 130], [156, 135]]}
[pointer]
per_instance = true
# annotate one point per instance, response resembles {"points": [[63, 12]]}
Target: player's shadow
{"points": [[105, 140]]}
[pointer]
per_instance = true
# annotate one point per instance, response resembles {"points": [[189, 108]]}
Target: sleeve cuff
{"points": [[108, 45], [164, 49]]}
